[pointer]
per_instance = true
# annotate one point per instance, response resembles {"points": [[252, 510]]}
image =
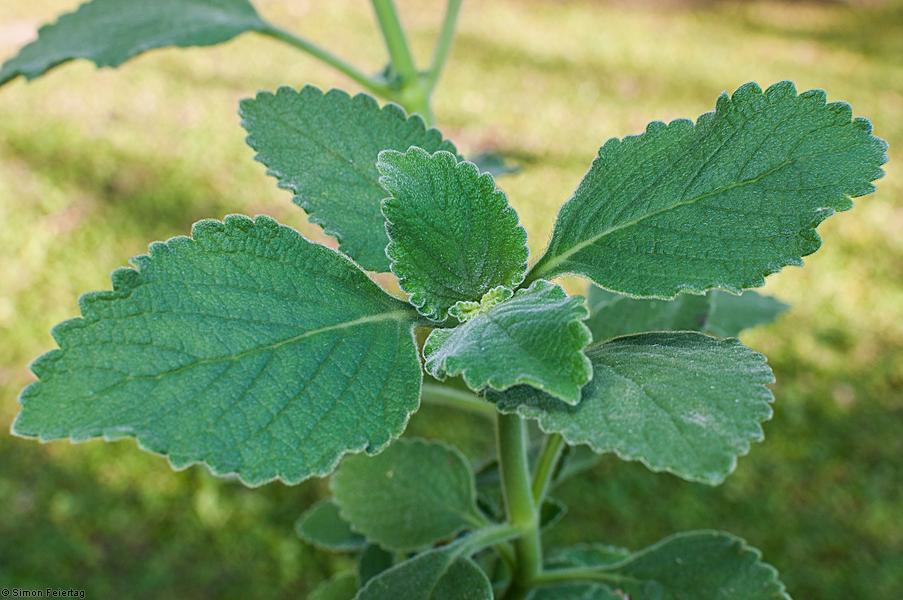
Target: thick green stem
{"points": [[412, 91], [519, 504], [330, 59], [444, 42], [545, 468], [396, 43], [447, 396]]}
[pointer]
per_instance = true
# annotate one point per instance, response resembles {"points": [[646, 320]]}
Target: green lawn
{"points": [[96, 164]]}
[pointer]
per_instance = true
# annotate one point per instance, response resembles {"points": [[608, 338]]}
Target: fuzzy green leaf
{"points": [[718, 312], [719, 203], [439, 574], [373, 561], [414, 494], [323, 148], [613, 315], [246, 347], [453, 235], [732, 314], [696, 565], [322, 526], [535, 338], [681, 402], [341, 586], [109, 32]]}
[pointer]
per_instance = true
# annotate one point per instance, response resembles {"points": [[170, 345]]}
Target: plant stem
{"points": [[412, 91], [396, 43], [545, 468], [330, 59], [444, 42], [521, 509], [447, 396]]}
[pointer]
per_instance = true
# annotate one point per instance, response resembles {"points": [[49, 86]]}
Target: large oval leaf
{"points": [[109, 32], [246, 347], [719, 203], [681, 402], [411, 496]]}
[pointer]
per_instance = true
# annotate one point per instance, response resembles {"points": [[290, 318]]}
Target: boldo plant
{"points": [[261, 354]]}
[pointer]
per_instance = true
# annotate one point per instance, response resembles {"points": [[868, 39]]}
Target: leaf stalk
{"points": [[330, 59], [522, 512]]}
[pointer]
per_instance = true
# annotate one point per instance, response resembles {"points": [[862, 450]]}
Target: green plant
{"points": [[110, 32], [250, 349], [259, 353]]}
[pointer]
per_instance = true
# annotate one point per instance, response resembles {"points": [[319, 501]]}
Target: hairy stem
{"points": [[330, 59], [545, 468], [448, 396], [519, 504]]}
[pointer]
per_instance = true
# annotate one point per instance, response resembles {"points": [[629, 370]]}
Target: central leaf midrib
{"points": [[557, 260], [394, 315]]}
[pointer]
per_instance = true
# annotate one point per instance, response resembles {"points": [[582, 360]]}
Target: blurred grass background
{"points": [[96, 164]]}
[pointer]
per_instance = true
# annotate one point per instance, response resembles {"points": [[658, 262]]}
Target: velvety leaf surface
{"points": [[719, 203], [718, 312], [732, 314], [613, 315], [699, 565], [681, 402], [342, 586], [246, 347], [413, 494], [322, 526], [109, 32], [323, 148], [439, 574], [453, 235], [535, 338]]}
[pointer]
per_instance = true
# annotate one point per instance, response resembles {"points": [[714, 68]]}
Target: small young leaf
{"points": [[373, 561], [323, 148], [584, 555], [575, 460], [535, 338], [109, 32], [613, 315], [681, 402], [551, 512], [732, 314], [698, 565], [438, 574], [246, 347], [719, 203], [341, 586], [322, 526], [453, 235], [415, 493]]}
